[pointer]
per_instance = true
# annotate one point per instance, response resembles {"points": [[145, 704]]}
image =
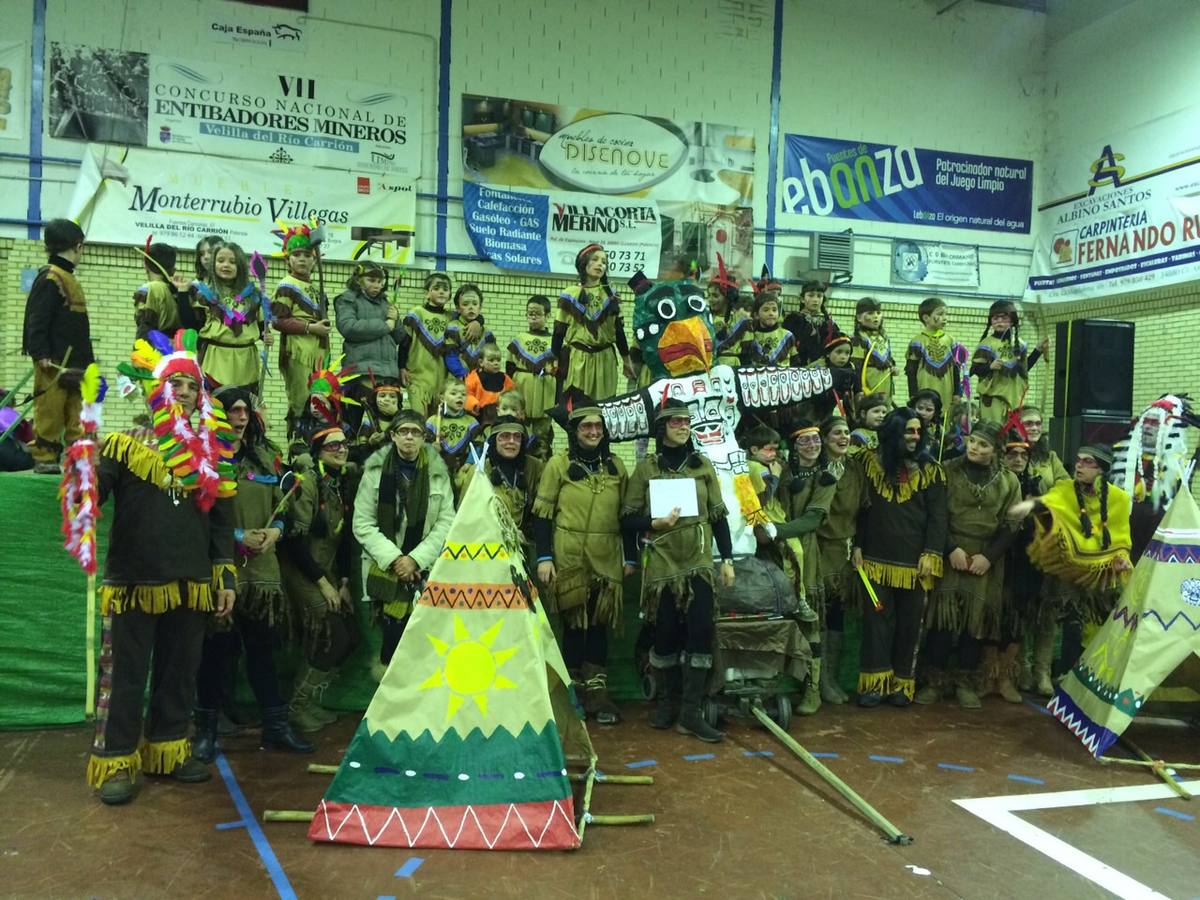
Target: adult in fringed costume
{"points": [[1153, 477], [807, 496], [589, 324], [169, 564], [834, 537], [315, 566], [967, 606], [402, 514], [258, 512], [1081, 537], [899, 541], [677, 581], [580, 552], [513, 472]]}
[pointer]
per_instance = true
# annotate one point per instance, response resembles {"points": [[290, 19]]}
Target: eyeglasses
{"points": [[410, 432], [334, 446], [808, 440]]}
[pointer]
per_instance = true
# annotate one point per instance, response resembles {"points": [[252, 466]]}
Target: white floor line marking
{"points": [[999, 811]]}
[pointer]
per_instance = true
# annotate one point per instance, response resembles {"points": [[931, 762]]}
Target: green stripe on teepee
{"points": [[499, 768]]}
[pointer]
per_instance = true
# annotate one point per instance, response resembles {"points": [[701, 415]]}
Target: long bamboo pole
{"points": [[1157, 766], [287, 815], [894, 834]]}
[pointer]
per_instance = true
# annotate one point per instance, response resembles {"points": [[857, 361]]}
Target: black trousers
{"points": [[165, 648], [940, 643], [890, 635], [691, 630], [221, 650]]}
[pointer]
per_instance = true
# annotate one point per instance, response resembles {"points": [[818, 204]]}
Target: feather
{"points": [[161, 343], [258, 267], [187, 340]]}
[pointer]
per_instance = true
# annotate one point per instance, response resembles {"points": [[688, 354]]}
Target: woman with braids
{"points": [[588, 326], [677, 582], [316, 575], [580, 554], [834, 537], [967, 606], [258, 525], [898, 543], [1081, 537]]}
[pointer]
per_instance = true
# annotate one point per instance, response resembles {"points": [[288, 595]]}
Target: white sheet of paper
{"points": [[668, 493]]}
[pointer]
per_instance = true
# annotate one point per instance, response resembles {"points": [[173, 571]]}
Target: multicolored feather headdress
{"points": [[327, 390]]}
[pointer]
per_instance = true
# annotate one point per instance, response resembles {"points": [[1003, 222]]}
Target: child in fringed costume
{"points": [[235, 315], [402, 514], [156, 305], [807, 497], [423, 358], [966, 608], [170, 563], [899, 541], [451, 429], [532, 367], [811, 325], [259, 508], [1001, 363], [840, 400], [380, 408], [834, 537], [732, 323], [580, 553], [1081, 538], [588, 326], [934, 359], [677, 579], [315, 566], [769, 344], [871, 349], [869, 411], [1153, 477], [466, 335], [301, 314], [927, 404]]}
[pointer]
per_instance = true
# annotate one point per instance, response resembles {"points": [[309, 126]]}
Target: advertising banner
{"points": [[14, 91], [544, 180], [1126, 214], [148, 100], [122, 198], [940, 265], [841, 179]]}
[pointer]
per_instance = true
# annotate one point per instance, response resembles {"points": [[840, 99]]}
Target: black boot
{"points": [[670, 686], [277, 733], [204, 744], [691, 715]]}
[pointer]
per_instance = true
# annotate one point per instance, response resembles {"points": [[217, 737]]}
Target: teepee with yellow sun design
{"points": [[462, 746]]}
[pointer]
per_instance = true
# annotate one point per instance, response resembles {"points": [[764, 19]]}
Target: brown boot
{"points": [[1043, 656], [1007, 669], [596, 700], [987, 671]]}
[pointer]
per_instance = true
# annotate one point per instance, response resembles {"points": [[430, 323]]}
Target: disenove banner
{"points": [[1125, 213], [123, 196], [842, 179], [542, 180], [281, 115]]}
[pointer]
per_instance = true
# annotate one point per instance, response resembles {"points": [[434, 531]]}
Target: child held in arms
{"points": [[468, 306], [869, 412], [423, 360]]}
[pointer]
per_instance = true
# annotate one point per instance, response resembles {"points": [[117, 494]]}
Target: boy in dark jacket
{"points": [[57, 335]]}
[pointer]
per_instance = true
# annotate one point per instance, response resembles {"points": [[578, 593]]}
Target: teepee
{"points": [[462, 746], [1154, 628]]}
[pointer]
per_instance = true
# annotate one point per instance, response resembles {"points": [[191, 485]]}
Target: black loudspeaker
{"points": [[1093, 368], [1068, 434]]}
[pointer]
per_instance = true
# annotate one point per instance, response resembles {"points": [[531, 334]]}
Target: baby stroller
{"points": [[759, 640]]}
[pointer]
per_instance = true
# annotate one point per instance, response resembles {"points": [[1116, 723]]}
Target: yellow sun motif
{"points": [[469, 670]]}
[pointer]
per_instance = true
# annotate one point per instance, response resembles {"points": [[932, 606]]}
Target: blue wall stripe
{"points": [[443, 152], [773, 139], [33, 210]]}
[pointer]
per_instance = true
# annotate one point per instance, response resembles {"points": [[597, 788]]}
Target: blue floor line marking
{"points": [[411, 865], [1040, 707], [954, 767], [886, 759], [282, 886], [1025, 779], [641, 764], [696, 757], [226, 826], [386, 897], [759, 753], [1174, 814], [825, 754]]}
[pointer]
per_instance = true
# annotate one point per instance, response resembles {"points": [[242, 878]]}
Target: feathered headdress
{"points": [[198, 456], [766, 284], [294, 237], [327, 390], [1158, 472]]}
